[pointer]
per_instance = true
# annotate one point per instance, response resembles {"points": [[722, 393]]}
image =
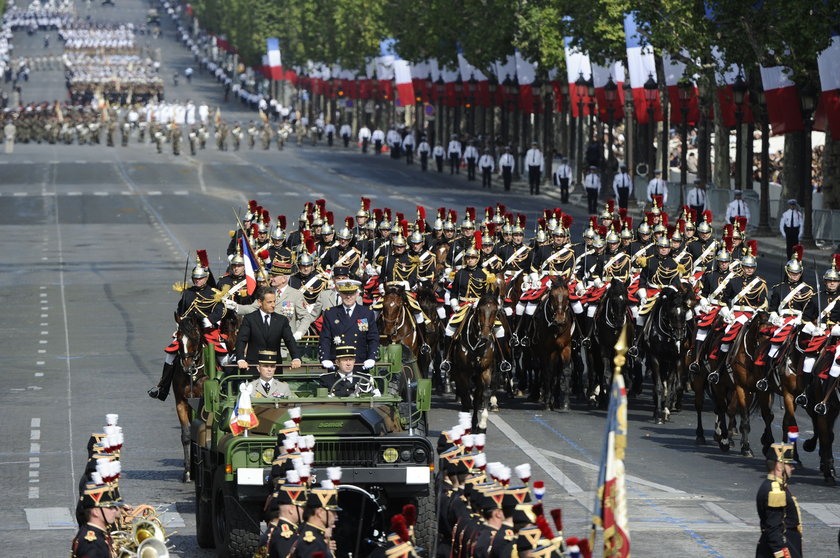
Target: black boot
{"points": [[161, 391]]}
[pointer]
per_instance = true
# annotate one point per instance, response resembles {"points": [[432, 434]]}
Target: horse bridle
{"points": [[607, 321], [552, 322], [667, 332], [193, 369]]}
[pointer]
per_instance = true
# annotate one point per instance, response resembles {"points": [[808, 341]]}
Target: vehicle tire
{"points": [[203, 514], [236, 530], [426, 529]]}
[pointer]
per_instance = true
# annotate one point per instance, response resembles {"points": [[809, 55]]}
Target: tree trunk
{"points": [[791, 169], [722, 165], [831, 173]]}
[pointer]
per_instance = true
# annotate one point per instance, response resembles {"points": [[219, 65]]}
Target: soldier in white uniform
{"points": [[487, 166]]}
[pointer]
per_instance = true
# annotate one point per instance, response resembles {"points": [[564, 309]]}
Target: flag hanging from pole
{"points": [[610, 510], [250, 264]]}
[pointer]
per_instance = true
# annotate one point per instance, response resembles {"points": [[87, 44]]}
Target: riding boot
{"points": [[161, 391], [587, 339], [802, 398]]}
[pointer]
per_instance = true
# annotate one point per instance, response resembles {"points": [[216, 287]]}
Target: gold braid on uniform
{"points": [[665, 276], [403, 271], [476, 287], [201, 305]]}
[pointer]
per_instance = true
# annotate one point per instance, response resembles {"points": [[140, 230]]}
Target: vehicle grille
{"points": [[346, 453]]}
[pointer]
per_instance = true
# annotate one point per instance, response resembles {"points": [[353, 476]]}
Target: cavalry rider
{"points": [[516, 255], [278, 249], [362, 216], [197, 301], [469, 284], [789, 300], [234, 277], [703, 250], [307, 280], [711, 300], [295, 238], [462, 243], [325, 242], [826, 325], [426, 260], [490, 260], [659, 272], [639, 247], [343, 254], [745, 295], [236, 235], [616, 261]]}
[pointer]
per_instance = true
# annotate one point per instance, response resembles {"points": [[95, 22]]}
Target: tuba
{"points": [[140, 534]]}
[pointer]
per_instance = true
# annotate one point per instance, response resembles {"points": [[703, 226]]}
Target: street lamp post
{"points": [[507, 85], [492, 85], [548, 136], [611, 95], [471, 86], [808, 98], [564, 94], [581, 89], [739, 90], [459, 101], [440, 89], [536, 91], [515, 103], [651, 90], [764, 201], [686, 89], [629, 127]]}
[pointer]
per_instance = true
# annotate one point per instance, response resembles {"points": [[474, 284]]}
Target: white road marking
{"points": [[34, 494], [100, 193], [550, 468], [43, 295], [39, 362], [34, 447], [263, 194], [35, 423], [42, 519], [153, 193], [20, 194], [181, 193], [43, 341], [74, 193], [827, 513], [39, 374], [45, 333], [41, 351], [723, 514], [45, 315], [35, 435]]}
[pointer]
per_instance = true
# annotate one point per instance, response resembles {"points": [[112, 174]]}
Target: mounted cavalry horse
{"points": [[554, 325], [611, 314]]}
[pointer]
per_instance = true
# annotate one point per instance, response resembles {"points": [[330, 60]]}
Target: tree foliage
{"points": [[348, 32]]}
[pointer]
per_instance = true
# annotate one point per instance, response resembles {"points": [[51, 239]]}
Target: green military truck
{"points": [[380, 443]]}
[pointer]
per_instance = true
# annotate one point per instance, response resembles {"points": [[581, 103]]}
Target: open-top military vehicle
{"points": [[380, 443]]}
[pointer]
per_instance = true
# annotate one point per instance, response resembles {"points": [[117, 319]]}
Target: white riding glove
{"points": [[206, 323], [328, 364], [642, 296], [809, 328], [368, 364], [298, 335], [598, 283], [835, 331]]}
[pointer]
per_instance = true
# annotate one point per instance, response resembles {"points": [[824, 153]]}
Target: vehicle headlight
{"points": [[267, 455], [420, 455], [405, 455], [390, 455], [253, 456]]}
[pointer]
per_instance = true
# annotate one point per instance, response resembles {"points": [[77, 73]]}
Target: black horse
{"points": [[554, 326], [610, 316], [663, 341], [823, 408]]}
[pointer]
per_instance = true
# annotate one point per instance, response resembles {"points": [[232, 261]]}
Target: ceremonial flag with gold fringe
{"points": [[610, 510]]}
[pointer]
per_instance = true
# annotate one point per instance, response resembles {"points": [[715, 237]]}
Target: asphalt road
{"points": [[93, 239]]}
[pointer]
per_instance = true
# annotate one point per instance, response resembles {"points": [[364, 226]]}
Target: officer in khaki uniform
{"points": [[778, 512]]}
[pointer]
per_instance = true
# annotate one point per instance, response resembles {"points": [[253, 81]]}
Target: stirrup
{"points": [[633, 351], [524, 342], [762, 384], [801, 400], [154, 392], [505, 366], [820, 408], [445, 366], [425, 349], [514, 340], [694, 368], [586, 342], [713, 377]]}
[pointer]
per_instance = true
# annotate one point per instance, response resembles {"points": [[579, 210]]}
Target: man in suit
{"points": [[267, 385], [349, 323], [264, 330], [343, 381]]}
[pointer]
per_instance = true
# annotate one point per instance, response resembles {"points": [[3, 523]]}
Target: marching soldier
{"points": [[562, 178], [319, 515], [125, 130], [592, 185], [345, 131], [288, 502], [535, 164], [439, 154], [778, 512], [507, 164], [790, 226], [236, 135], [192, 136], [102, 507], [252, 134], [221, 136], [176, 140], [265, 136]]}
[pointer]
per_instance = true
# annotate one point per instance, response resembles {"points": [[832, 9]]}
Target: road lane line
{"points": [[35, 423], [723, 514], [60, 245], [827, 513], [550, 468]]}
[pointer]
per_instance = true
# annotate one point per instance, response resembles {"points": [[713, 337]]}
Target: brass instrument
{"points": [[140, 534]]}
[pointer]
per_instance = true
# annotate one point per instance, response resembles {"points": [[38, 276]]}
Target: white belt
{"points": [[743, 309], [796, 313]]}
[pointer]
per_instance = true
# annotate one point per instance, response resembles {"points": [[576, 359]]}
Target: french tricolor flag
{"points": [[468, 72], [674, 73], [526, 72], [390, 66], [250, 264], [782, 100], [504, 69], [555, 76], [449, 79], [600, 76], [275, 66], [641, 64], [577, 64], [828, 109]]}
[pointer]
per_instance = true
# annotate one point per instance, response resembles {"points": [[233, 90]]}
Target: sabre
{"points": [[186, 270], [817, 282]]}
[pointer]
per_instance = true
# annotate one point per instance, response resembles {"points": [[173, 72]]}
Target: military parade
{"points": [[370, 354]]}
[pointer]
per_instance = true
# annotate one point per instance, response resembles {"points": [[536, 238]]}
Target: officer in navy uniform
{"points": [[287, 501], [351, 324], [778, 512], [319, 517]]}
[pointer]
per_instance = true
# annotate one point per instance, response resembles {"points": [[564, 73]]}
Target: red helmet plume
{"points": [[477, 240], [491, 229], [349, 222], [567, 221], [202, 258], [252, 205], [281, 222], [611, 205], [471, 213], [752, 245], [330, 218], [377, 214], [404, 227], [799, 251], [421, 212], [310, 245], [366, 204]]}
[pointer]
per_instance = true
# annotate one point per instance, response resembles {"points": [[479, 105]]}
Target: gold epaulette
{"points": [[776, 498], [231, 233], [179, 287], [641, 261]]}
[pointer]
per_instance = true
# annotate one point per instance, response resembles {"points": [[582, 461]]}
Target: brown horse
{"points": [[823, 407], [188, 379], [396, 320], [554, 326], [441, 252], [430, 358], [474, 359], [735, 392]]}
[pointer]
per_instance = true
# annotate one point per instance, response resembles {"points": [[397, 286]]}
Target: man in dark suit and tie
{"points": [[264, 330], [349, 323]]}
